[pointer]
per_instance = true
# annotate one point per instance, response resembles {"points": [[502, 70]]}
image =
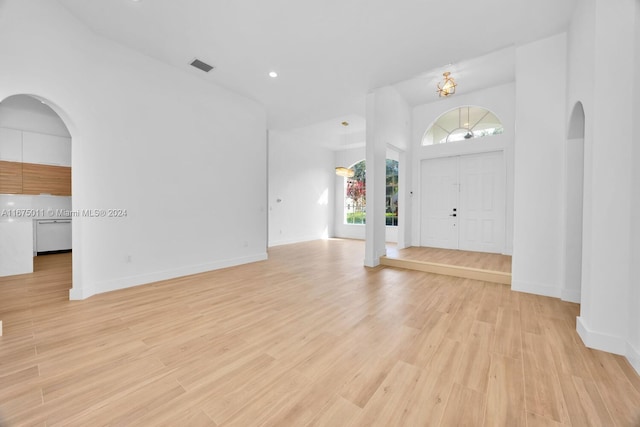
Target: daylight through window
{"points": [[356, 194], [463, 123]]}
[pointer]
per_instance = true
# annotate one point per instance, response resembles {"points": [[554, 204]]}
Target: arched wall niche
{"points": [[576, 122], [574, 208]]}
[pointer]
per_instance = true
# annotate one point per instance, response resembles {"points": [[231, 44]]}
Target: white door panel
{"points": [[482, 202], [439, 198]]}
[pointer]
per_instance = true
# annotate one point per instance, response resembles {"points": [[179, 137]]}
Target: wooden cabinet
{"points": [[10, 177], [38, 179], [30, 178]]}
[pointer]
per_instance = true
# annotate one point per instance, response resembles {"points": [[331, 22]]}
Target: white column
{"points": [[604, 321], [388, 125], [538, 166], [376, 153]]}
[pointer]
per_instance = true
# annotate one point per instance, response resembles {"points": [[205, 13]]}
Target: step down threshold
{"points": [[449, 270]]}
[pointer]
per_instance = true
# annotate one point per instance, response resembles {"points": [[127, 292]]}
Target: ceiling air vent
{"points": [[201, 65]]}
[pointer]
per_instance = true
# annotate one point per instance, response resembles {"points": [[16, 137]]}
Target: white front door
{"points": [[439, 203], [482, 203], [463, 199]]}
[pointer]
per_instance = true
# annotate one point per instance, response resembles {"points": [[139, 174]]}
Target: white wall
{"points": [[301, 187], [501, 101], [601, 36], [186, 159], [539, 166], [633, 353]]}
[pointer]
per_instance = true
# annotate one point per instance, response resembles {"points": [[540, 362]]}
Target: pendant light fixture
{"points": [[469, 133], [448, 86], [341, 170], [346, 172]]}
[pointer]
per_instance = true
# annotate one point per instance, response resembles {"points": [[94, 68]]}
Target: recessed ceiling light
{"points": [[273, 74]]}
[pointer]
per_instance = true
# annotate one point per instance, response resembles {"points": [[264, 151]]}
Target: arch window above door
{"points": [[461, 124]]}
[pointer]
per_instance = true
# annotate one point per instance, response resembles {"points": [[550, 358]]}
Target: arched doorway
{"points": [[35, 186], [574, 205]]}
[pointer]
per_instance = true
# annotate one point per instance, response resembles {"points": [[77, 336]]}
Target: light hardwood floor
{"points": [[495, 268], [480, 260], [310, 337]]}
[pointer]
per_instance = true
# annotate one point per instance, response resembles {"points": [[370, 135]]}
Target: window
{"points": [[468, 122], [392, 193], [356, 194]]}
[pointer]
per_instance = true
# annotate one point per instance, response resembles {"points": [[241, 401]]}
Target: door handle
{"points": [[453, 214]]}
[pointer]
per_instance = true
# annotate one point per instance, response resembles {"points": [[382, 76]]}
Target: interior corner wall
{"points": [[539, 162], [301, 188], [186, 159]]}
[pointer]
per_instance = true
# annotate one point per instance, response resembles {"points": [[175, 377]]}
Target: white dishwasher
{"points": [[53, 235]]}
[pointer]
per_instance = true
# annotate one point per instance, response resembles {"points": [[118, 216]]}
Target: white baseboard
{"points": [[302, 239], [350, 232], [571, 295], [633, 356], [76, 294], [599, 340], [535, 288], [371, 262], [87, 290]]}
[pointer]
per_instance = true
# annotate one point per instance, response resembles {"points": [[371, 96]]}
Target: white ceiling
{"points": [[332, 134], [328, 53]]}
